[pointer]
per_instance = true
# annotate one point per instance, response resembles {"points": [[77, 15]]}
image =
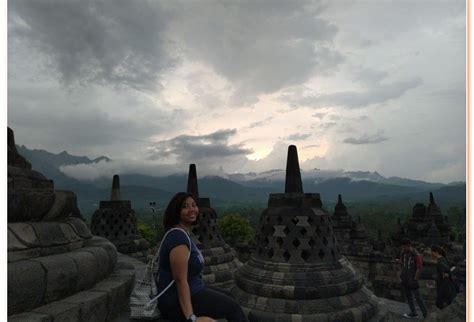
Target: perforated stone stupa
{"points": [[352, 241], [296, 272], [117, 221], [220, 259], [427, 225], [57, 271]]}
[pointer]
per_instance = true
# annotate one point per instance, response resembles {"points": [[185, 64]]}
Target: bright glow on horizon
{"points": [[259, 154]]}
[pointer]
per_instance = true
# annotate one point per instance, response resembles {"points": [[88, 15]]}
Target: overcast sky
{"points": [[155, 85]]}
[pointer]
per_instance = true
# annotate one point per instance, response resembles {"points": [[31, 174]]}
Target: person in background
{"points": [[188, 299], [445, 290], [411, 265]]}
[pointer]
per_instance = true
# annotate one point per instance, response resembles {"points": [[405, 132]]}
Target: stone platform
{"points": [[102, 302]]}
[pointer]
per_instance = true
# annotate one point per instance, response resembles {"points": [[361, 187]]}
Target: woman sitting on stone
{"points": [[188, 299], [445, 291]]}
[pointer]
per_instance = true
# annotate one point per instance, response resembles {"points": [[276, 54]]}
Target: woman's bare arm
{"points": [[179, 268]]}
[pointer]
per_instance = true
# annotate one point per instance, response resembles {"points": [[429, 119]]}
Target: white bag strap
{"points": [[189, 255]]}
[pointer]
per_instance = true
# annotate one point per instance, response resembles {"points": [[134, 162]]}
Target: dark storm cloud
{"points": [[298, 136], [113, 42], [191, 148], [366, 139], [375, 94], [59, 121], [259, 46]]}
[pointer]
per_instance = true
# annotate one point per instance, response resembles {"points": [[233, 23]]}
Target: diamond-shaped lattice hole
{"points": [[279, 241], [311, 242], [321, 254], [210, 237], [279, 219], [270, 253], [208, 221], [266, 241], [286, 255], [303, 231], [286, 230], [305, 254], [333, 254], [295, 220], [325, 241], [273, 230], [296, 242], [318, 231], [322, 219]]}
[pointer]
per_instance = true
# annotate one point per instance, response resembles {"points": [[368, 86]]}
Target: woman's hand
{"points": [[205, 319]]}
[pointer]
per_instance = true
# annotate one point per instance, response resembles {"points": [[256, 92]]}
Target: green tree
{"points": [[146, 231], [235, 228]]}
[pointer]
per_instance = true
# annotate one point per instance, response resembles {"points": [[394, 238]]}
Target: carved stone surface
{"points": [[117, 221], [52, 255], [220, 259], [297, 272]]}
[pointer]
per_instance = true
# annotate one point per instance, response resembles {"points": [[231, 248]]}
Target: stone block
{"points": [[118, 292], [93, 305], [102, 259], [65, 203], [80, 227], [28, 179], [25, 233], [49, 234], [28, 205], [60, 311], [69, 233], [23, 254], [61, 249], [26, 286], [14, 244], [30, 317], [88, 271], [61, 276]]}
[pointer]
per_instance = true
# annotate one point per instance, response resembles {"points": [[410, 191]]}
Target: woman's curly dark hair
{"points": [[173, 210], [438, 249]]}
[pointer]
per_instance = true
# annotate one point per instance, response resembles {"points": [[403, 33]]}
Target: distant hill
{"points": [[241, 189]]}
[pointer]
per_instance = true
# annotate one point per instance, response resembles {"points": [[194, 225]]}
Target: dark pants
{"points": [[445, 292], [410, 293], [211, 302]]}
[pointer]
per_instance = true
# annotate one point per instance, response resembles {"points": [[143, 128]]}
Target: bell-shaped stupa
{"points": [[427, 224], [220, 259], [57, 270], [117, 221], [296, 272]]}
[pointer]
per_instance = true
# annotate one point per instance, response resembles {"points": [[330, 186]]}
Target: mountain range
{"points": [[248, 189]]}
